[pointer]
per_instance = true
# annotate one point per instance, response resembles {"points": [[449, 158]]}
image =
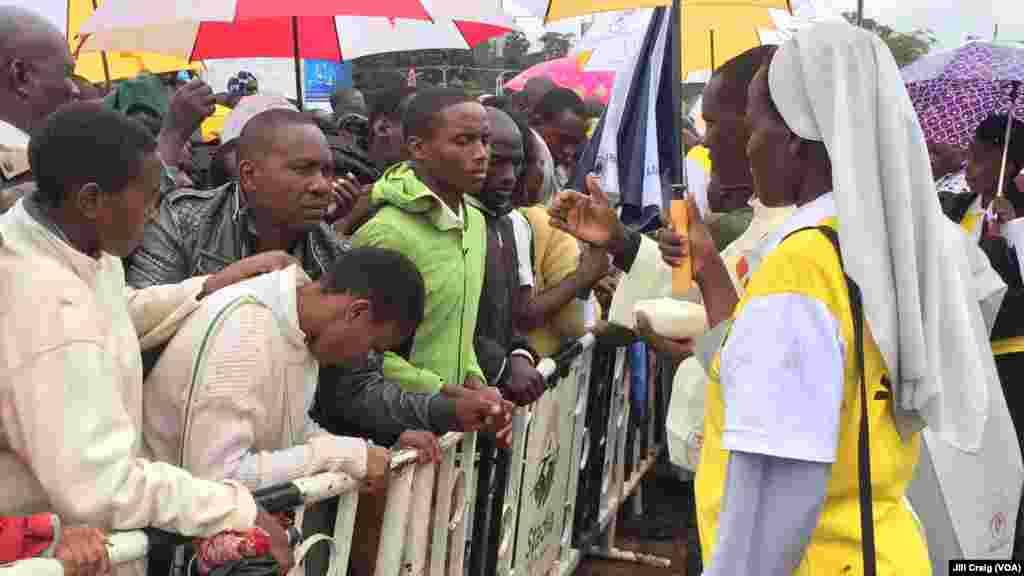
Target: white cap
{"points": [[247, 109]]}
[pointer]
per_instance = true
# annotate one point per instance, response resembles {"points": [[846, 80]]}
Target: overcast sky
{"points": [[951, 20]]}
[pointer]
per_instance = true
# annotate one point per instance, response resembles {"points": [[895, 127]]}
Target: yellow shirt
{"points": [[807, 265], [555, 256]]}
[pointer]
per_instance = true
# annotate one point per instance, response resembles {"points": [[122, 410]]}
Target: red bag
{"points": [[26, 536]]}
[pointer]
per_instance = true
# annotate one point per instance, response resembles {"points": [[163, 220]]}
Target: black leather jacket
{"points": [[201, 232]]}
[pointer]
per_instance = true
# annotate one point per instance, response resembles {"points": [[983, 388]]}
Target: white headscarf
{"points": [[838, 84]]}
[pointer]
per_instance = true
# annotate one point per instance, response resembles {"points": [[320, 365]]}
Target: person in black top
{"points": [[984, 163]]}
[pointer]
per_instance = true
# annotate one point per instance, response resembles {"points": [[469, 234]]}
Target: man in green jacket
{"points": [[422, 214]]}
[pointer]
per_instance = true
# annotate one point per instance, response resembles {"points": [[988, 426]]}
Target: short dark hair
{"points": [[388, 279], [389, 103], [737, 73], [420, 118], [85, 142], [258, 136], [344, 98], [557, 101], [992, 131]]}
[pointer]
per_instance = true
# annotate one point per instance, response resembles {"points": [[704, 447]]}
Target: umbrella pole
{"points": [[860, 12], [679, 164], [298, 61], [103, 54], [1006, 140]]}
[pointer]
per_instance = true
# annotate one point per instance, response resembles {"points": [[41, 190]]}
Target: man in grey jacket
{"points": [[279, 203]]}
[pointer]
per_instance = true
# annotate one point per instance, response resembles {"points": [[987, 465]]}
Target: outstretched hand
{"points": [[587, 217]]}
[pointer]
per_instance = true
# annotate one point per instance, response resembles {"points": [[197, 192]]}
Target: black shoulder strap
{"points": [[867, 526]]}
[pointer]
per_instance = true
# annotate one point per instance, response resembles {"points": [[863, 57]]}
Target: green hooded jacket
{"points": [[450, 256]]}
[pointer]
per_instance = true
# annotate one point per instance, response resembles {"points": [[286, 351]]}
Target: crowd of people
{"points": [[334, 286]]}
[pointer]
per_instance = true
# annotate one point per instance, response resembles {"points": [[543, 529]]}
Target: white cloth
{"points": [[12, 137], [783, 390], [840, 85], [524, 248]]}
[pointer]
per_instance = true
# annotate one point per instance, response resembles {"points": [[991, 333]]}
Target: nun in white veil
{"points": [[835, 102]]}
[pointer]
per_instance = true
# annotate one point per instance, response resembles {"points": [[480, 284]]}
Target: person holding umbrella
{"points": [[831, 339]]}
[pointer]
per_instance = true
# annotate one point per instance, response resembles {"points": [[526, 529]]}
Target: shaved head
{"points": [[263, 132], [37, 66], [507, 162]]}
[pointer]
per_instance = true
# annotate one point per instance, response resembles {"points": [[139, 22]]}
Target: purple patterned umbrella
{"points": [[953, 91]]}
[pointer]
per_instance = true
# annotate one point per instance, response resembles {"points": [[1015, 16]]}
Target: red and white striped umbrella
{"points": [[309, 29]]}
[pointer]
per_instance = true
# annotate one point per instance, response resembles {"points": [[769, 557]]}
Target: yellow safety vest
{"points": [[807, 264], [1005, 346]]}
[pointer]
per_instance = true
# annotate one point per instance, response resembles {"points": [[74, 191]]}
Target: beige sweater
{"points": [[231, 394], [71, 392]]}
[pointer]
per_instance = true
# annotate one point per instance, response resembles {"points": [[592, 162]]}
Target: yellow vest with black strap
{"points": [[1003, 346], [807, 264]]}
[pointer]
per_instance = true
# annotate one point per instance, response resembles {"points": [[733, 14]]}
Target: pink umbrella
{"points": [[568, 73]]}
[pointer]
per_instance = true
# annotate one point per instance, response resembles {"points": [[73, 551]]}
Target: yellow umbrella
{"points": [[105, 66], [713, 30]]}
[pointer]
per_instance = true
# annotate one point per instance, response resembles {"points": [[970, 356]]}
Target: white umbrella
{"points": [[299, 29]]}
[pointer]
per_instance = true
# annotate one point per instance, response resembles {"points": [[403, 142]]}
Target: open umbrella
{"points": [[568, 73], [955, 90], [69, 15], [300, 29]]}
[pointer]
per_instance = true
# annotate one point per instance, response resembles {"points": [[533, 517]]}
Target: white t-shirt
{"points": [[524, 248], [783, 389]]}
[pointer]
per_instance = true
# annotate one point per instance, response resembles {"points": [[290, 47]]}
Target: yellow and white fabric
{"points": [[838, 84]]}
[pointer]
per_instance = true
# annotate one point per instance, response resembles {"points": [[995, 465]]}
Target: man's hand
{"points": [[524, 385], [1003, 210], [676, 350], [280, 549], [378, 469], [347, 193], [248, 268], [587, 218], [473, 411], [475, 392], [425, 443], [189, 106], [592, 267], [698, 245], [604, 291], [83, 551]]}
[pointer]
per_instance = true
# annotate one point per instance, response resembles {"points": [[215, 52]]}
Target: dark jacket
{"points": [[202, 232], [495, 335], [1003, 258]]}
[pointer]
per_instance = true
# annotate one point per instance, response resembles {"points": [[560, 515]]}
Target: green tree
{"points": [[556, 45], [905, 46]]}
